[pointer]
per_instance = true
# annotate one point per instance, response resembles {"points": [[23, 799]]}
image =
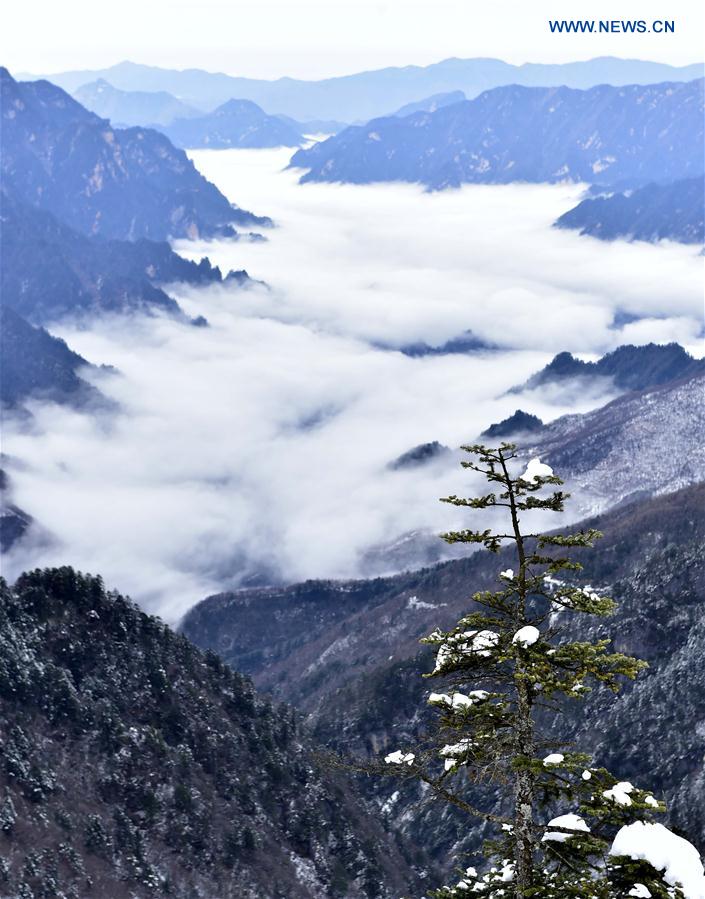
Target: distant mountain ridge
{"points": [[366, 95], [128, 108], [431, 104], [123, 184], [314, 126], [634, 134], [655, 212], [235, 124]]}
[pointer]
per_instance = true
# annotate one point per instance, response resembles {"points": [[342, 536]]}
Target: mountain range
{"points": [[85, 214], [99, 180], [49, 270], [137, 762], [126, 108], [366, 95], [655, 212], [237, 123], [618, 135], [641, 444], [160, 110], [134, 764]]}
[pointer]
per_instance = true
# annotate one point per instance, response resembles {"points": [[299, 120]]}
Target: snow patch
{"points": [[569, 822], [620, 793], [526, 636], [480, 643], [678, 859], [400, 758], [415, 603], [536, 469], [458, 700], [453, 752], [555, 758]]}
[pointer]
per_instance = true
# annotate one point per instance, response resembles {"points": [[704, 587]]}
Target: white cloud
{"points": [[392, 262], [261, 442]]}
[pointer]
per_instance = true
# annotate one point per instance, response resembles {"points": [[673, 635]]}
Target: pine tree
{"points": [[506, 665]]}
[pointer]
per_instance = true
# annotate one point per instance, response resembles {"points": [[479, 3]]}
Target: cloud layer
{"points": [[259, 445]]}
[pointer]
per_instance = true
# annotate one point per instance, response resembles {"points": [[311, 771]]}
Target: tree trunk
{"points": [[524, 798], [524, 729]]}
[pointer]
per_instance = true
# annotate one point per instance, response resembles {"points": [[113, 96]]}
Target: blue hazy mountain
{"points": [[654, 212], [634, 133], [315, 126], [49, 270], [34, 363], [126, 108], [123, 184], [431, 104], [77, 202], [365, 95], [237, 123]]}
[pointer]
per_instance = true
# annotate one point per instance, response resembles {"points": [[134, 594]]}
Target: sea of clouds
{"points": [[258, 448]]}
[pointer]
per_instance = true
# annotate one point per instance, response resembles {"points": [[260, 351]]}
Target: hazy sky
{"points": [[316, 38]]}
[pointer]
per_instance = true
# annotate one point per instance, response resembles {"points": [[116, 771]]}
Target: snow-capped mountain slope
{"points": [[643, 443]]}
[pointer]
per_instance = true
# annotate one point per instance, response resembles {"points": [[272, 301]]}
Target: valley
{"points": [[229, 437]]}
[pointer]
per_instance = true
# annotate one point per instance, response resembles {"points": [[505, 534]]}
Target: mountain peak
{"points": [[235, 123], [630, 367], [52, 145]]}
